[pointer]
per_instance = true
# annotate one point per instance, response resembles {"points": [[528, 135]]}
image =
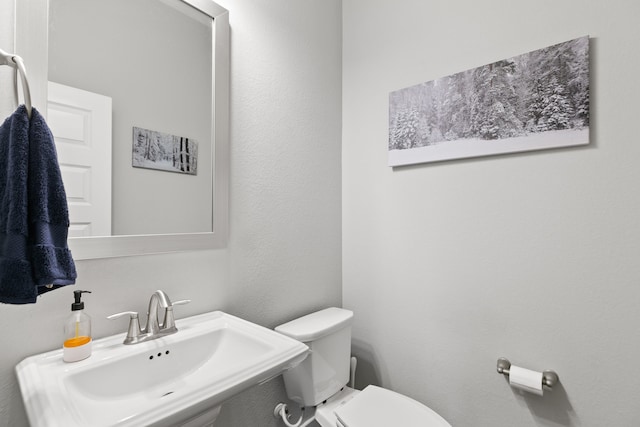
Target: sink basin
{"points": [[169, 381]]}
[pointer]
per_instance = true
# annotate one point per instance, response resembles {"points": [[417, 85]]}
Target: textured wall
{"points": [[7, 103], [530, 256], [284, 254]]}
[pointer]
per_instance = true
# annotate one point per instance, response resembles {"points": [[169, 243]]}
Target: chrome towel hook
{"points": [[17, 63]]}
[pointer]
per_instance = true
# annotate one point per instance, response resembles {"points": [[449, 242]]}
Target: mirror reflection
{"points": [[130, 106]]}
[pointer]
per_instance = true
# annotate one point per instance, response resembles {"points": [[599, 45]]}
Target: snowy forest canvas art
{"points": [[534, 101], [163, 151]]}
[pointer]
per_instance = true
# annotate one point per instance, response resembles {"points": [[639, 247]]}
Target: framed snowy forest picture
{"points": [[534, 101], [163, 151]]}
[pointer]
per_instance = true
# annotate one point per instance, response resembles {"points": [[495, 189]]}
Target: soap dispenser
{"points": [[77, 331]]}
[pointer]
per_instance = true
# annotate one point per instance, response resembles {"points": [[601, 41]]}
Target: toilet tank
{"points": [[326, 369]]}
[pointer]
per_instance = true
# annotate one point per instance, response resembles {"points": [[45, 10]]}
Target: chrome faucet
{"points": [[154, 327]]}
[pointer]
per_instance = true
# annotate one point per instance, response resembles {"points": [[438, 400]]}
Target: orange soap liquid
{"points": [[77, 341]]}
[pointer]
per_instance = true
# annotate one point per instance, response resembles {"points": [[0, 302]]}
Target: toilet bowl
{"points": [[320, 380], [376, 407]]}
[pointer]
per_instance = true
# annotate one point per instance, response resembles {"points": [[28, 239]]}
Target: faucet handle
{"points": [[132, 314], [181, 302], [169, 320], [133, 332]]}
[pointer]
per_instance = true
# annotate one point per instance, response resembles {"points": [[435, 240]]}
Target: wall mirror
{"points": [[162, 68]]}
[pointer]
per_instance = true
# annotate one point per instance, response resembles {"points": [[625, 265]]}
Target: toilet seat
{"points": [[379, 407]]}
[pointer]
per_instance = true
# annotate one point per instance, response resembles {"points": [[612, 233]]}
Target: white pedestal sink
{"points": [[180, 379]]}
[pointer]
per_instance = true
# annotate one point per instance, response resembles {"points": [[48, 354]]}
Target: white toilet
{"points": [[321, 379]]}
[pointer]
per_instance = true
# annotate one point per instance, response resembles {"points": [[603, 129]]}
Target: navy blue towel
{"points": [[34, 217]]}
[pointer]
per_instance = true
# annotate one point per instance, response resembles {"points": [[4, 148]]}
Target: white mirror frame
{"points": [[31, 43]]}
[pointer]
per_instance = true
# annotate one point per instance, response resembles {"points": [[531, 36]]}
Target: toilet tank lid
{"points": [[316, 325]]}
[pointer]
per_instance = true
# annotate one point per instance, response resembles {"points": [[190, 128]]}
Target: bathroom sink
{"points": [[170, 381]]}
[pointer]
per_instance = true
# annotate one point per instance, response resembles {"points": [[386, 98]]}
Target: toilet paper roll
{"points": [[525, 379]]}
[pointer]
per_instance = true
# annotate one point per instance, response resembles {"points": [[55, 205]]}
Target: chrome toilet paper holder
{"points": [[549, 378]]}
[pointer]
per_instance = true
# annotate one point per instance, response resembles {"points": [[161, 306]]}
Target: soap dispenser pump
{"points": [[77, 331]]}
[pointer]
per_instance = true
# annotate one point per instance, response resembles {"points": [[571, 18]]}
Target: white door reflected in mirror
{"points": [[81, 125]]}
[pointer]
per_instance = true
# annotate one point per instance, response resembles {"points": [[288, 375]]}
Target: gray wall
{"points": [[7, 103], [284, 254], [530, 256]]}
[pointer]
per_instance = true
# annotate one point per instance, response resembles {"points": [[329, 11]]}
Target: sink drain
{"points": [[167, 394]]}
